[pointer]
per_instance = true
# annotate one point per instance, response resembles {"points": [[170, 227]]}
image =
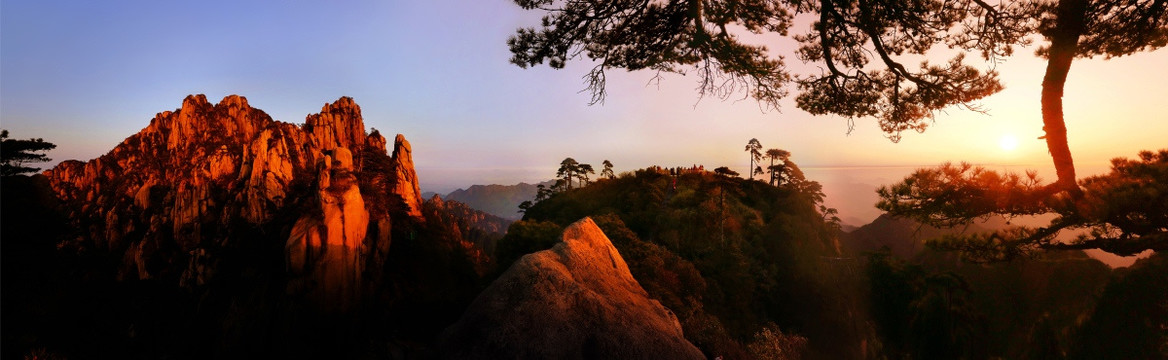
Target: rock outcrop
{"points": [[405, 181], [209, 177], [574, 301], [328, 242]]}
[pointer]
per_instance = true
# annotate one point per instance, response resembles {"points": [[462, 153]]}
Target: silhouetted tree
{"points": [[1121, 208], [14, 153], [725, 171], [585, 169], [724, 174], [846, 38], [523, 206], [1125, 210], [830, 216], [568, 170], [1082, 28], [775, 170], [607, 172], [560, 186], [542, 193], [571, 170], [785, 172], [752, 148]]}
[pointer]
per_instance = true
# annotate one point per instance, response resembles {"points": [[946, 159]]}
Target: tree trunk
{"points": [[772, 169], [1064, 44], [750, 171]]}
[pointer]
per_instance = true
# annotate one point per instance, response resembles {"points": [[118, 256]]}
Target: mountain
{"points": [[208, 176], [905, 237], [216, 231], [575, 300], [500, 200], [745, 266]]}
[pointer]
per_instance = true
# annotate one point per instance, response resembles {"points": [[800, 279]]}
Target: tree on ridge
{"points": [[14, 153], [776, 170], [860, 48], [753, 147], [568, 169], [582, 174]]}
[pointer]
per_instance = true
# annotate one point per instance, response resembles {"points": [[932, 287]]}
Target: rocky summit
{"points": [[577, 300], [206, 177]]}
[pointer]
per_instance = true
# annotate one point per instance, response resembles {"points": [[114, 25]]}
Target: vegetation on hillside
{"points": [[1027, 308], [742, 263], [1124, 211], [753, 269]]}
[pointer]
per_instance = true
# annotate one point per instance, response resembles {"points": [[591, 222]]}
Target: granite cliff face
{"points": [[209, 177], [576, 300]]}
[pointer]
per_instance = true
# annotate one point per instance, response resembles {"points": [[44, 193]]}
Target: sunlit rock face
{"points": [[405, 181], [326, 243], [209, 177], [576, 300]]}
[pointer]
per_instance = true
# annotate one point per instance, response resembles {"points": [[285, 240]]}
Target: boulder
{"points": [[577, 300]]}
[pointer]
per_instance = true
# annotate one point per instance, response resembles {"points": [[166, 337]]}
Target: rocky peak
{"points": [[575, 300], [437, 201], [189, 183], [195, 101], [406, 179], [198, 122], [375, 140], [337, 125]]}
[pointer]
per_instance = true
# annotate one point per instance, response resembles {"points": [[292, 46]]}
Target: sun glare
{"points": [[1008, 142]]}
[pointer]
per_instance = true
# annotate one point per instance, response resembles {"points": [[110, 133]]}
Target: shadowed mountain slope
{"points": [[904, 237]]}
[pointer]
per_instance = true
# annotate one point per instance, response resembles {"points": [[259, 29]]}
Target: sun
{"points": [[1008, 142]]}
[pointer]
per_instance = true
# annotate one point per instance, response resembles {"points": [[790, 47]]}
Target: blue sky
{"points": [[86, 74]]}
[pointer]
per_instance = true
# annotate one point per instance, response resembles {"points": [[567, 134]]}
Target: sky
{"points": [[87, 74]]}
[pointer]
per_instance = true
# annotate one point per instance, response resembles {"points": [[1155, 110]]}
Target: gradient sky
{"points": [[87, 74]]}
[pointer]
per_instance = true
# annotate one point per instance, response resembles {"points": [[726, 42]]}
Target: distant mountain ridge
{"points": [[905, 237], [500, 200]]}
